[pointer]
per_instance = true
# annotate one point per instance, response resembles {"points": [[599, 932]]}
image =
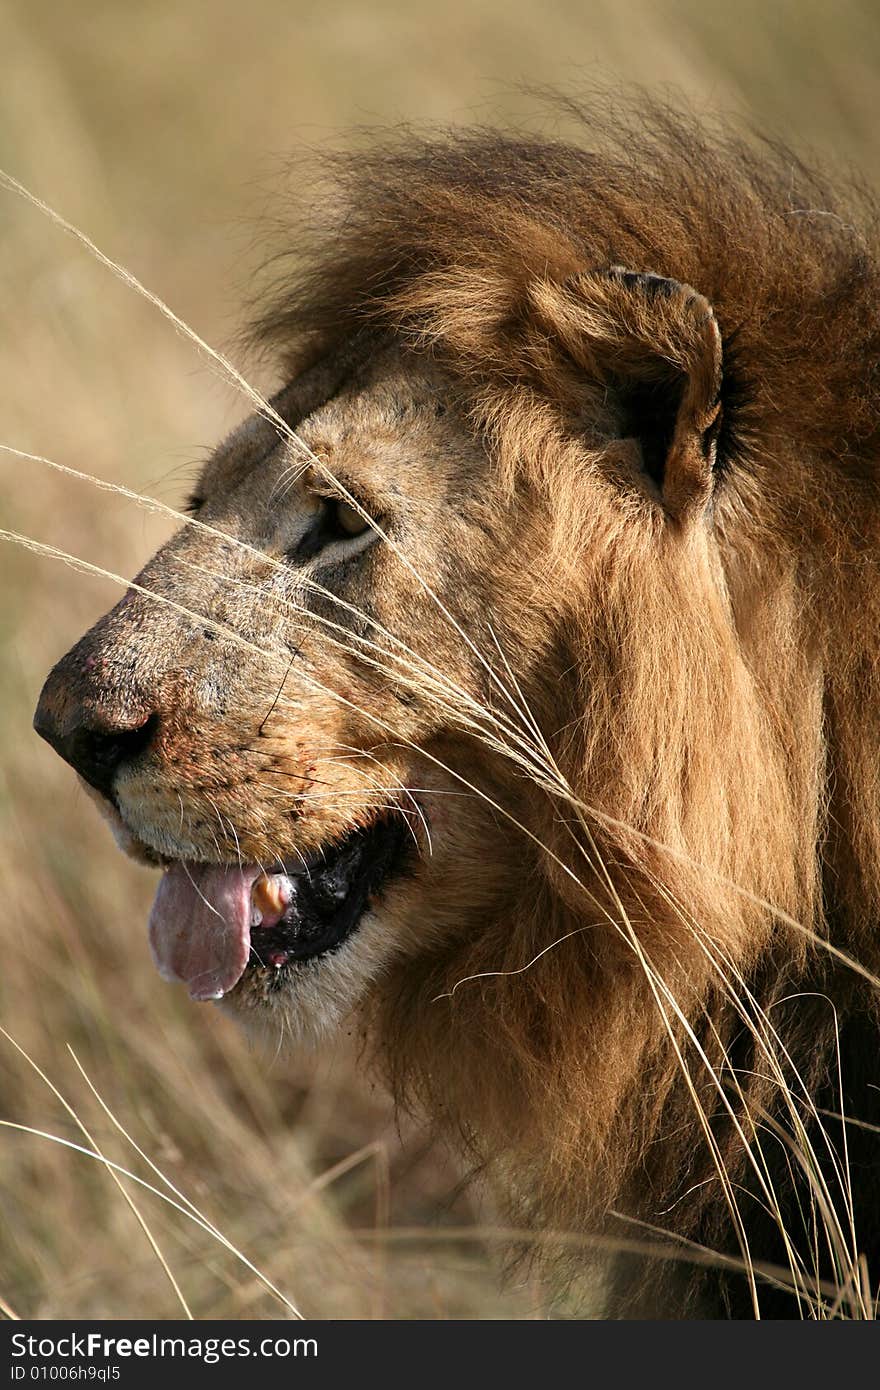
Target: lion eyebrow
{"points": [[324, 485], [341, 485]]}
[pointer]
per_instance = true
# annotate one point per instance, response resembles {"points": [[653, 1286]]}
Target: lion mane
{"points": [[682, 1056]]}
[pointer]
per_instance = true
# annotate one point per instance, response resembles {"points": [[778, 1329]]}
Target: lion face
{"points": [[318, 709], [274, 712]]}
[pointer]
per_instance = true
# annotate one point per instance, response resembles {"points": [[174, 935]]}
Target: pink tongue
{"points": [[200, 927]]}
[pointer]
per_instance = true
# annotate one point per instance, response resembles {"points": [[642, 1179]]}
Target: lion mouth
{"points": [[210, 924]]}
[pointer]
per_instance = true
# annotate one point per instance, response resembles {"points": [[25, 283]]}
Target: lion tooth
{"points": [[271, 896]]}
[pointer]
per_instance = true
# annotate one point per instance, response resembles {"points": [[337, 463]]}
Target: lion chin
{"points": [[514, 681]]}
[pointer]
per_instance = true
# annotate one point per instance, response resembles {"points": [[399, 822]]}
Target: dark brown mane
{"points": [[439, 238], [756, 756]]}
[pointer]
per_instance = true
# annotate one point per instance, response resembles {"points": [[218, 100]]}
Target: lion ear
{"points": [[655, 346]]}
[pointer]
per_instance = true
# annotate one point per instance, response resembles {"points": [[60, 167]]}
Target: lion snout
{"points": [[94, 723]]}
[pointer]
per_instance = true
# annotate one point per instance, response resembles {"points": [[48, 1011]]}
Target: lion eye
{"points": [[335, 521], [344, 519]]}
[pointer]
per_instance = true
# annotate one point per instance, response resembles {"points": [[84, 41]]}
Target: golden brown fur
{"points": [[654, 479]]}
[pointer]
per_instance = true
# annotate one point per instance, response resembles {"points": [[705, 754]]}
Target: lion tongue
{"points": [[200, 926]]}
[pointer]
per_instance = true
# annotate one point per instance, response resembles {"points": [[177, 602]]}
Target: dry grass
{"points": [[159, 138]]}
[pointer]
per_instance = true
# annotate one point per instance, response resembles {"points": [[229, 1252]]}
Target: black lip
{"points": [[331, 896]]}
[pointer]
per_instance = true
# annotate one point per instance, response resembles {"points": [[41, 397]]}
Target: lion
{"points": [[513, 689]]}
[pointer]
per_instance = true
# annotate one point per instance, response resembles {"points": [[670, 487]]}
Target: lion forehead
{"points": [[389, 424]]}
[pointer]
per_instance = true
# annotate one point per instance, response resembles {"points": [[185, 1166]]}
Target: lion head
{"points": [[513, 684]]}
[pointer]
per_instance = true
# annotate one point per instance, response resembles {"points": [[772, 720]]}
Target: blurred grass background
{"points": [[160, 129]]}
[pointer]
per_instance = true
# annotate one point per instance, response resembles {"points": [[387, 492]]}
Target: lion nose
{"points": [[95, 733]]}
